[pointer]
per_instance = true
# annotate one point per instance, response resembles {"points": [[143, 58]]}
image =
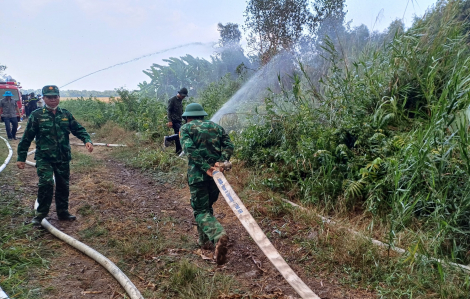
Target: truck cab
{"points": [[14, 87]]}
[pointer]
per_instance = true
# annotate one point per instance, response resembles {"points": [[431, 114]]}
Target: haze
{"points": [[57, 41]]}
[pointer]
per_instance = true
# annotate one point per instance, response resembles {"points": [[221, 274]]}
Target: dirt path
{"points": [[145, 227]]}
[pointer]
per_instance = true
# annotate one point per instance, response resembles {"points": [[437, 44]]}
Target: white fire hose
{"points": [[95, 255], [125, 282], [10, 154], [3, 295], [17, 129], [102, 144], [382, 244], [260, 238]]}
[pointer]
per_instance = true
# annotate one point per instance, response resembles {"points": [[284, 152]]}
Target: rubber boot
{"points": [[65, 215], [37, 219], [221, 250], [203, 240]]}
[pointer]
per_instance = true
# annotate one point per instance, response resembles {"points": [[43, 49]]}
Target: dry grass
{"points": [[331, 250], [112, 133], [103, 99]]}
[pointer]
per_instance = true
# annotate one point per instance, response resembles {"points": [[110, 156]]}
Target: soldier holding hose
{"points": [[206, 145], [51, 127]]}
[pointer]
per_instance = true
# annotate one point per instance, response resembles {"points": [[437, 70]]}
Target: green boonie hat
{"points": [[194, 109], [50, 90]]}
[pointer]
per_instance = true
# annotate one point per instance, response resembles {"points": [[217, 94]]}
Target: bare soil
{"points": [[124, 214]]}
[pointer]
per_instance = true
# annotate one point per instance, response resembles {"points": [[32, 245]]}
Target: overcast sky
{"points": [[56, 41]]}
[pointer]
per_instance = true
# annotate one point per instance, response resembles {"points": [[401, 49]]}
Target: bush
{"points": [[386, 133]]}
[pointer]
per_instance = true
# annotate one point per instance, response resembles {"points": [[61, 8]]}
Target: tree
{"points": [[275, 25], [230, 35], [197, 73]]}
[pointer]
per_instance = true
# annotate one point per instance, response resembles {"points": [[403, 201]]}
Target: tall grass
{"points": [[386, 133]]}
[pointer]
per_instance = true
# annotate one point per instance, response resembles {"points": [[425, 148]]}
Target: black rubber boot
{"points": [[66, 216], [37, 219]]}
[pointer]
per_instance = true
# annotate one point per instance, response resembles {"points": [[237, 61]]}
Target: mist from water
{"points": [[141, 57], [258, 87]]}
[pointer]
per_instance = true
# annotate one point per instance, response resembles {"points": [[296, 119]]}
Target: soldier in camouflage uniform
{"points": [[206, 144], [51, 127]]}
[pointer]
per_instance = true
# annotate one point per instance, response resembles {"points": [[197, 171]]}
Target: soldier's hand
{"points": [[220, 166], [210, 171], [89, 147], [169, 124], [20, 164]]}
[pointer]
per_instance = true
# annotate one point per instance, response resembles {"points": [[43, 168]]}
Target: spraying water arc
{"points": [[266, 80], [138, 58]]}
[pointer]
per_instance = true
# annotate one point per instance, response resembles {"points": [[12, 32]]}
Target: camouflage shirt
{"points": [[205, 143], [175, 110], [52, 135]]}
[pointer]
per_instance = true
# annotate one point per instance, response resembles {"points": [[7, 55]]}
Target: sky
{"points": [[57, 41]]}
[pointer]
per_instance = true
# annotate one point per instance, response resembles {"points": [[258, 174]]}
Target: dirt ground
{"points": [[118, 205]]}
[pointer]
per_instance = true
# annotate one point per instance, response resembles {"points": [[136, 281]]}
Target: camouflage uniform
{"points": [[52, 154], [205, 143]]}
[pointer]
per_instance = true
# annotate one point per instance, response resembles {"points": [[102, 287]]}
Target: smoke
{"points": [[138, 58], [265, 81]]}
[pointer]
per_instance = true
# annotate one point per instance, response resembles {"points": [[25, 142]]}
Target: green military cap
{"points": [[50, 90], [194, 109]]}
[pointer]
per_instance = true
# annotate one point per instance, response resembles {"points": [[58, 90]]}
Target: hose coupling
{"points": [[226, 165]]}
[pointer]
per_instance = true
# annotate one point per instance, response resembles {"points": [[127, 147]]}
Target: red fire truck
{"points": [[14, 87]]}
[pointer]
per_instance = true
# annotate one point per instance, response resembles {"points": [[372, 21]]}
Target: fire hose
{"points": [[249, 223], [123, 280], [244, 217], [10, 154], [3, 295], [17, 129], [382, 244]]}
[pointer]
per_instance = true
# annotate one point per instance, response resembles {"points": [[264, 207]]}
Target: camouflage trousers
{"points": [[203, 196], [45, 171]]}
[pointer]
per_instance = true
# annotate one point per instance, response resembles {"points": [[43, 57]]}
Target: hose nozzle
{"points": [[226, 165]]}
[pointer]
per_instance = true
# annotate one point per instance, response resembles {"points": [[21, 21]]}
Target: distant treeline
{"points": [[78, 93]]}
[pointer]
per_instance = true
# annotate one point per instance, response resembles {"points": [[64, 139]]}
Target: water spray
{"points": [[138, 58]]}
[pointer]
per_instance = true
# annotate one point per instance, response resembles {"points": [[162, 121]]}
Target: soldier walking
{"points": [[51, 127], [175, 110], [8, 110], [206, 144]]}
